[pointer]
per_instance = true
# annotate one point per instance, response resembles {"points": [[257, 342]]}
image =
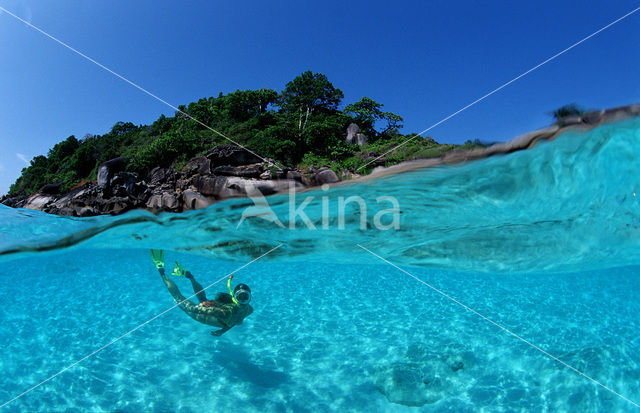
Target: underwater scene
{"points": [[505, 284]]}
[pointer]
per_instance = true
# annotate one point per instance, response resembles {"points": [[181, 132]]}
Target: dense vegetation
{"points": [[572, 109], [302, 125]]}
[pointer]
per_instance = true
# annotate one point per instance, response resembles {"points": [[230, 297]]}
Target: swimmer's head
{"points": [[242, 294]]}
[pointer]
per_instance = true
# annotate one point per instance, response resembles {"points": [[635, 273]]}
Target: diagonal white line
{"points": [[499, 326], [130, 82], [133, 329], [502, 86]]}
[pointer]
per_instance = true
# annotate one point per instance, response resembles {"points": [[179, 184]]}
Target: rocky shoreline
{"points": [[229, 171], [225, 171]]}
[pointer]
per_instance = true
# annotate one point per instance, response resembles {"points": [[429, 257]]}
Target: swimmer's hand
{"points": [[180, 271], [220, 332]]}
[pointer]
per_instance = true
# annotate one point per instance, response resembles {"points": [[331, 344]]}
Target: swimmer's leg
{"points": [[180, 299], [197, 288]]}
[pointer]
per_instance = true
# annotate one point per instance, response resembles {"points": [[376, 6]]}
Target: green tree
{"points": [[242, 105], [161, 125], [83, 160], [204, 111], [366, 112], [307, 93], [394, 123], [572, 109], [61, 151], [32, 178], [121, 128], [324, 135], [275, 141], [116, 142]]}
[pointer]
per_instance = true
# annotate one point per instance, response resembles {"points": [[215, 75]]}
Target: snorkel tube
{"points": [[231, 292]]}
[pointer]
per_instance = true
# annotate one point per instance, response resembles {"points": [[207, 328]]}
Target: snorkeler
{"points": [[225, 311]]}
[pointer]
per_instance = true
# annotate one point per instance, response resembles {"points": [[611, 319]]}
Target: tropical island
{"points": [[227, 146]]}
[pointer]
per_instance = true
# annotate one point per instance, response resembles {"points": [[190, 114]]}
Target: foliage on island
{"points": [[572, 109], [300, 126]]}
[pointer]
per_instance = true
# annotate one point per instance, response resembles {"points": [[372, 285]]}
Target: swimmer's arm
{"points": [[249, 311]]}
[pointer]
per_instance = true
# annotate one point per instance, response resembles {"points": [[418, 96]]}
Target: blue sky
{"points": [[422, 59]]}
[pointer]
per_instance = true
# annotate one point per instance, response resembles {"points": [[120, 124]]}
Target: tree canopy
{"points": [[572, 109], [366, 112], [302, 125], [307, 93]]}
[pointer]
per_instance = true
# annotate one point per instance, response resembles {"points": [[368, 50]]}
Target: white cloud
{"points": [[23, 158]]}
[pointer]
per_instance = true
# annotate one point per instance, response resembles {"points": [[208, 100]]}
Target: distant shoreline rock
{"points": [[585, 122], [229, 171]]}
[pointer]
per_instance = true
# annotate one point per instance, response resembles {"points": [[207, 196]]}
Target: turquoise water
{"points": [[543, 242]]}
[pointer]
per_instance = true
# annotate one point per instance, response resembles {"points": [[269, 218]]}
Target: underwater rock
{"points": [[414, 384], [456, 364], [455, 356], [425, 377]]}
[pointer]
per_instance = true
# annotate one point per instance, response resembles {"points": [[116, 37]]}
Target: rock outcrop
{"points": [[225, 171], [194, 200], [354, 135], [108, 169], [324, 176], [13, 201], [231, 155], [51, 189]]}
